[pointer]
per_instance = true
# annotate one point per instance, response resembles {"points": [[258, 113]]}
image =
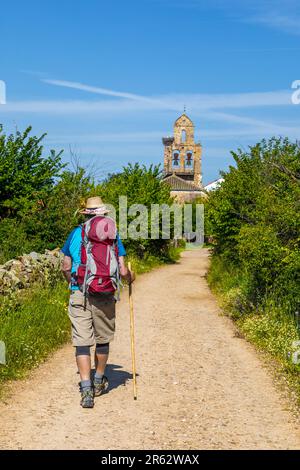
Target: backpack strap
{"points": [[118, 279], [87, 244]]}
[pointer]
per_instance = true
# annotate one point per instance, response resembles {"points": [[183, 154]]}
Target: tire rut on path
{"points": [[199, 386]]}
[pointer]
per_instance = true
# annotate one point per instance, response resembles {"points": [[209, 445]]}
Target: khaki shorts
{"points": [[96, 323]]}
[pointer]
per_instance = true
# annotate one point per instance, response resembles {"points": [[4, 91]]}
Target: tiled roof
{"points": [[179, 184]]}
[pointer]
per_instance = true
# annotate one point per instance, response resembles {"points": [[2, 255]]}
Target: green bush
{"points": [[40, 199], [13, 240], [26, 176], [33, 325], [140, 185], [254, 220]]}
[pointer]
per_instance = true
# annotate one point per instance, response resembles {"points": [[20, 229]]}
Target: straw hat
{"points": [[94, 206]]}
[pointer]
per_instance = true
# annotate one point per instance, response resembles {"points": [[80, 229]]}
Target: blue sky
{"points": [[107, 79]]}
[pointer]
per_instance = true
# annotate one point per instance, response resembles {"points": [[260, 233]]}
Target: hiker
{"points": [[93, 264]]}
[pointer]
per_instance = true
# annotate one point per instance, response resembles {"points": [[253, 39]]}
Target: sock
{"points": [[98, 377], [85, 385]]}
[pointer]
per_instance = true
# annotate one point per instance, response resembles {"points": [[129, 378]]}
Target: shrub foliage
{"points": [[254, 222], [254, 219], [40, 197]]}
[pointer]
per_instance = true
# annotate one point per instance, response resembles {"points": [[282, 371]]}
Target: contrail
{"points": [[97, 90]]}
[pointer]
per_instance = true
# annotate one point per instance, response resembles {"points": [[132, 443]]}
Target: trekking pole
{"points": [[132, 337]]}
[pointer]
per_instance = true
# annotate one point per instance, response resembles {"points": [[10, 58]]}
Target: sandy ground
{"points": [[199, 386]]}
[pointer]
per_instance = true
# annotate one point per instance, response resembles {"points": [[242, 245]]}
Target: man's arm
{"points": [[66, 268], [71, 251], [124, 271]]}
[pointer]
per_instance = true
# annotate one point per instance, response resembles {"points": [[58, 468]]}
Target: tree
{"points": [[40, 198], [141, 185], [25, 175], [254, 219], [51, 222]]}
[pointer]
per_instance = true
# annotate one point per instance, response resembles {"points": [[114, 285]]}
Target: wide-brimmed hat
{"points": [[94, 206]]}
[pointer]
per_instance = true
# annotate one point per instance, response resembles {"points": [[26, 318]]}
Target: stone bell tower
{"points": [[182, 156]]}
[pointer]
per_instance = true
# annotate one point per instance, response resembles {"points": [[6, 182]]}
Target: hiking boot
{"points": [[100, 387], [87, 399]]}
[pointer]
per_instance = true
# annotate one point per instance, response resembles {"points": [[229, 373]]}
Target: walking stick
{"points": [[132, 337]]}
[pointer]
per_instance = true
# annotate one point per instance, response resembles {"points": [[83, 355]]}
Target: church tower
{"points": [[182, 159]]}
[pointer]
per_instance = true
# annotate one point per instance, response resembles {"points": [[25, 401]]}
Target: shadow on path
{"points": [[116, 376]]}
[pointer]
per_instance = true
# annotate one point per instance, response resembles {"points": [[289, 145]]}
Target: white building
{"points": [[213, 185]]}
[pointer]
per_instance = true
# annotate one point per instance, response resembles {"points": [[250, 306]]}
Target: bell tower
{"points": [[182, 156]]}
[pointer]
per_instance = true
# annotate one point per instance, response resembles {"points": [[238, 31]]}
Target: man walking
{"points": [[93, 263]]}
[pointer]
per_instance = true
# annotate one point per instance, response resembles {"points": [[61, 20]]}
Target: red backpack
{"points": [[98, 272]]}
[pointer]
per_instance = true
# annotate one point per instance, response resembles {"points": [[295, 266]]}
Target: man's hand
{"points": [[131, 277], [128, 276]]}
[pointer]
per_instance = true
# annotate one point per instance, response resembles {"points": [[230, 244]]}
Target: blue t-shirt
{"points": [[72, 248]]}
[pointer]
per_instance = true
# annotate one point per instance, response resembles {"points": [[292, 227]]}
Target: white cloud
{"points": [[73, 107], [287, 23], [132, 102], [96, 90], [256, 129], [227, 101], [203, 101], [109, 137], [276, 14], [210, 108]]}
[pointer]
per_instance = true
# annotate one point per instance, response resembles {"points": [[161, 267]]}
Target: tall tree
{"points": [[25, 174]]}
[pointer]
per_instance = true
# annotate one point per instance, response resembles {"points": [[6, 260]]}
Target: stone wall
{"points": [[182, 197], [22, 272]]}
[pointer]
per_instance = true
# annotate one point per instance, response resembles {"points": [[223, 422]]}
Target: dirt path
{"points": [[199, 386]]}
